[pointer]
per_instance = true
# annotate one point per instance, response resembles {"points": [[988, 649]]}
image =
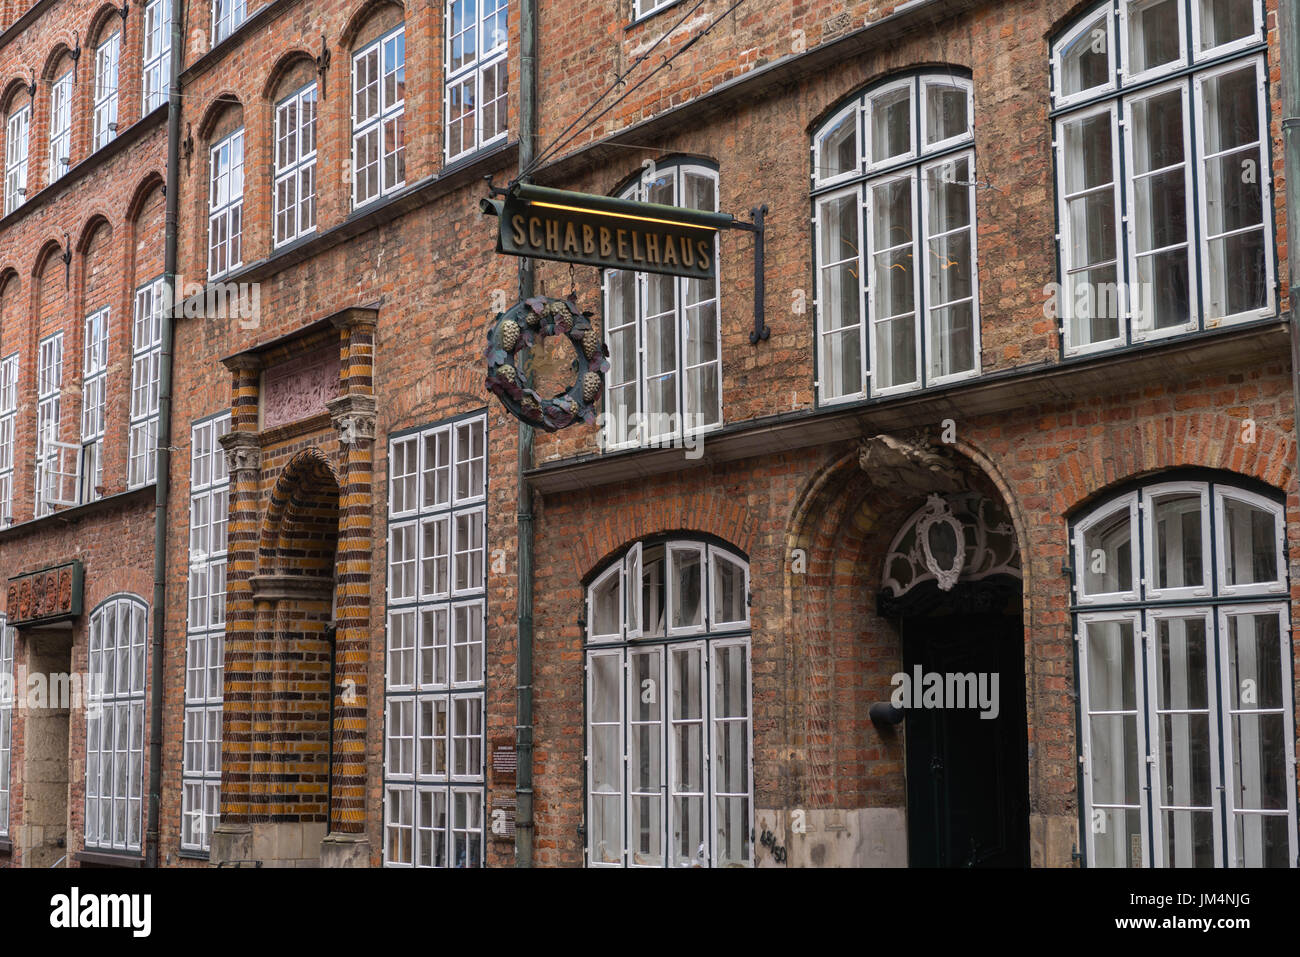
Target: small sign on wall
{"points": [[505, 768]]}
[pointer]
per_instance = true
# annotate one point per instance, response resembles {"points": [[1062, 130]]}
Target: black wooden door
{"points": [[967, 776]]}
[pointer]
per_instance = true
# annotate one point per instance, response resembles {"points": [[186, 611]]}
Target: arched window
{"points": [[1163, 172], [1182, 623], [476, 78], [379, 117], [108, 56], [156, 53], [294, 188], [665, 378], [115, 725], [894, 186], [18, 126], [60, 132], [669, 722]]}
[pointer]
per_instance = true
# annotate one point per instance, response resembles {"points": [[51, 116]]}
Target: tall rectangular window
{"points": [[56, 460], [663, 332], [434, 749], [16, 133], [476, 74], [205, 633], [146, 354], [60, 125], [226, 205], [115, 724], [295, 165], [8, 415], [156, 68], [94, 386], [7, 693], [107, 57], [379, 117], [227, 15]]}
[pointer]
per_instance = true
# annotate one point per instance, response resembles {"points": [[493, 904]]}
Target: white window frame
{"points": [[8, 422], [146, 358], [474, 72], [913, 166], [820, 176], [60, 134], [227, 15], [156, 54], [1082, 560], [628, 643], [107, 70], [8, 694], [1118, 96], [205, 633], [1232, 46], [94, 402], [57, 462], [118, 734], [645, 8], [17, 131], [1266, 187], [226, 205], [420, 654], [387, 114], [644, 436], [1152, 73], [294, 185], [1214, 604], [1086, 24]]}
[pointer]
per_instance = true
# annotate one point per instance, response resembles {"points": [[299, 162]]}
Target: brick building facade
{"points": [[1025, 409]]}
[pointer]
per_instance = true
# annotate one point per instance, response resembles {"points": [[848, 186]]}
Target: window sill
{"points": [[109, 859], [642, 18], [6, 846], [186, 854], [136, 496]]}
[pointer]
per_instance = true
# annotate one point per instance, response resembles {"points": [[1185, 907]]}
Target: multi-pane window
{"points": [[227, 15], [56, 460], [157, 53], [16, 132], [226, 205], [295, 165], [8, 417], [107, 58], [7, 694], [894, 190], [379, 117], [60, 125], [1182, 623], [1164, 183], [669, 719], [665, 378], [146, 356], [115, 724], [476, 74], [94, 384], [205, 633], [437, 562]]}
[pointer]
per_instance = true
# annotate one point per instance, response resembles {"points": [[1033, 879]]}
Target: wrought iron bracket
{"points": [[67, 261], [322, 64], [759, 228], [126, 5]]}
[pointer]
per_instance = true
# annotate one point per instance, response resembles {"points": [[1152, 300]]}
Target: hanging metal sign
{"points": [[543, 223]]}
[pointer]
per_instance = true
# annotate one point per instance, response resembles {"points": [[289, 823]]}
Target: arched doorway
{"points": [[294, 606], [952, 583]]}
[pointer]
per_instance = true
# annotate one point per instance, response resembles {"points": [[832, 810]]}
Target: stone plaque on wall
{"points": [[300, 387]]}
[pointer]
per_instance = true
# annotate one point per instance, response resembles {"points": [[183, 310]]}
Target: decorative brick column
{"points": [[232, 837], [353, 414]]}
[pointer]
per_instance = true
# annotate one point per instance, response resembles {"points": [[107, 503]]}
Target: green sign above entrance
{"points": [[542, 223]]}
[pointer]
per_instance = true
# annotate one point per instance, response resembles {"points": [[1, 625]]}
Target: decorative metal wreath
{"points": [[527, 324]]}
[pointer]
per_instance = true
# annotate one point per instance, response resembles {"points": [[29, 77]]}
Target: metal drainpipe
{"points": [[163, 460], [1288, 21], [524, 658]]}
